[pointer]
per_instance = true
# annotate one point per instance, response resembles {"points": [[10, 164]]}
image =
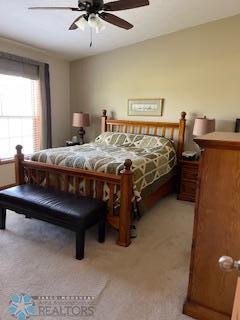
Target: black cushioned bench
{"points": [[60, 208]]}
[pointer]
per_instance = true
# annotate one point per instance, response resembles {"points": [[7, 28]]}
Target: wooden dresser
{"points": [[216, 228]]}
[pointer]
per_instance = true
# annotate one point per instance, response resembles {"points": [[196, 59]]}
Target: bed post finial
{"points": [[104, 119], [181, 135], [19, 149], [127, 164], [19, 171], [183, 115]]}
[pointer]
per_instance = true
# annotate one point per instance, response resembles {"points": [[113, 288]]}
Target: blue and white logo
{"points": [[21, 306]]}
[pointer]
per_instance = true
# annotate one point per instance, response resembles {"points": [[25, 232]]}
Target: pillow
{"points": [[129, 139], [115, 138]]}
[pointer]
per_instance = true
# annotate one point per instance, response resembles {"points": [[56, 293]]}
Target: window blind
{"points": [[20, 103], [18, 66], [38, 73]]}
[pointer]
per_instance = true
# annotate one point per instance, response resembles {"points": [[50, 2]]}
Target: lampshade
{"points": [[81, 120], [203, 126], [95, 22], [81, 23]]}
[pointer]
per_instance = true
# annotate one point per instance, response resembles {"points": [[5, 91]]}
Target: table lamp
{"points": [[81, 121], [203, 126]]}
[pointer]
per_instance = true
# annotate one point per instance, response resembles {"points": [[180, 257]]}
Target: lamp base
{"points": [[81, 133]]}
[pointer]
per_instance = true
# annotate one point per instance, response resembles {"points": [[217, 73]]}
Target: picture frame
{"points": [[237, 127], [145, 107]]}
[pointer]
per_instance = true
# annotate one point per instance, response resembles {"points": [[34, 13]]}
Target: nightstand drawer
{"points": [[188, 187], [190, 173], [188, 180], [188, 191]]}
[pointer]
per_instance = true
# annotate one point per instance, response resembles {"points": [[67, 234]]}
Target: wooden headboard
{"points": [[163, 129]]}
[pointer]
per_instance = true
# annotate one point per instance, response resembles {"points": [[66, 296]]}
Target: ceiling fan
{"points": [[95, 10]]}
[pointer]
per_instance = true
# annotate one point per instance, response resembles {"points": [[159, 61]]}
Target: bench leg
{"points": [[80, 243], [2, 218], [101, 231]]}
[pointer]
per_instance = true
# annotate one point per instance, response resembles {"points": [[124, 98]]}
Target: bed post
{"points": [[104, 119], [125, 204], [181, 135], [19, 171]]}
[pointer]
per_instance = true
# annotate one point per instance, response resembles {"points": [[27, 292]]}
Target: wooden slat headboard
{"points": [[163, 129]]}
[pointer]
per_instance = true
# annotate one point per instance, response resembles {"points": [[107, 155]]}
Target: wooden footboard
{"points": [[69, 179]]}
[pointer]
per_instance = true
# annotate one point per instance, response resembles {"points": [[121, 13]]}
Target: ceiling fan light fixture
{"points": [[81, 23], [95, 22], [100, 26]]}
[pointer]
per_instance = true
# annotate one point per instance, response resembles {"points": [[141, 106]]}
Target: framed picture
{"points": [[145, 107], [237, 128]]}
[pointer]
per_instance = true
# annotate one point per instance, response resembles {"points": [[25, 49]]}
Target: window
{"points": [[19, 115]]}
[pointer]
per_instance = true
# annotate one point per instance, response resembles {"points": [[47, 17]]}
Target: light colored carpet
{"points": [[147, 281]]}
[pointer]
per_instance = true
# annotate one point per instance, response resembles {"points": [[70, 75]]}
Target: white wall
{"points": [[60, 95], [196, 70]]}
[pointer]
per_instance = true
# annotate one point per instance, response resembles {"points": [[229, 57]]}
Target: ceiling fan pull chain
{"points": [[91, 38]]}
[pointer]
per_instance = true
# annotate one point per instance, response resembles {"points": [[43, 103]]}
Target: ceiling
{"points": [[48, 30]]}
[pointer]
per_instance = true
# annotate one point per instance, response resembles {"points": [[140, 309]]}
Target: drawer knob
{"points": [[227, 264]]}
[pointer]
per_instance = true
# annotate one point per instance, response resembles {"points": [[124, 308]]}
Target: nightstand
{"points": [[188, 180]]}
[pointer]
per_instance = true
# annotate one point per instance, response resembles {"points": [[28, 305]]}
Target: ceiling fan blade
{"points": [[73, 25], [111, 18], [124, 5], [54, 8]]}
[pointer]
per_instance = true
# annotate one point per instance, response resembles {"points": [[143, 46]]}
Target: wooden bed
{"points": [[40, 173]]}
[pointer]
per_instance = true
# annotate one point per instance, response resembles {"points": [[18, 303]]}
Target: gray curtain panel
{"points": [[46, 123], [34, 70]]}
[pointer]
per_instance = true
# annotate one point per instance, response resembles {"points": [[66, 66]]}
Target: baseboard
{"points": [[199, 312]]}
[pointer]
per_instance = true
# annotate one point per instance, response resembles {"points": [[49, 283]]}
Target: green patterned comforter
{"points": [[153, 157]]}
